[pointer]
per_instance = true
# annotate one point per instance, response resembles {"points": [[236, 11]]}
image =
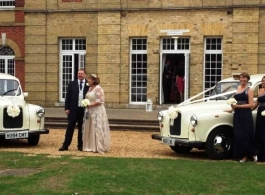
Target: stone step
{"points": [[115, 124]]}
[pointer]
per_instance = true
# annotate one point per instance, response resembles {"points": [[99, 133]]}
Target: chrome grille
{"points": [[10, 122], [176, 128]]}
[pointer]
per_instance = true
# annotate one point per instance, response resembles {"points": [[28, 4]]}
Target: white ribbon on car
{"points": [[188, 101], [173, 110], [173, 114]]}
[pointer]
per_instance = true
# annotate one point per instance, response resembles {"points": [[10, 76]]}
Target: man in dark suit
{"points": [[167, 79], [75, 112]]}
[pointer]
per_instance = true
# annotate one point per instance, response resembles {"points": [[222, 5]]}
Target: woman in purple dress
{"points": [[244, 139], [260, 122]]}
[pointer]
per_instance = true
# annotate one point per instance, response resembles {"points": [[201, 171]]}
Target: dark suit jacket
{"points": [[167, 76], [71, 99]]}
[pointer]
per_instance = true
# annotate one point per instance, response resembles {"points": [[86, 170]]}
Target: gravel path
{"points": [[127, 144]]}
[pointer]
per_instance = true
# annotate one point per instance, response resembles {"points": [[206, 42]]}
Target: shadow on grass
{"points": [[12, 143], [195, 154]]}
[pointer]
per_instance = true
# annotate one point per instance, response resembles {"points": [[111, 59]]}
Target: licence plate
{"points": [[168, 141], [17, 135]]}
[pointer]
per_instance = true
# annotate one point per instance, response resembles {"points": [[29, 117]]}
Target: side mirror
{"points": [[26, 94]]}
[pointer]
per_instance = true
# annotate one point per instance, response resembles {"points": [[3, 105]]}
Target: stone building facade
{"points": [[12, 38], [126, 43]]}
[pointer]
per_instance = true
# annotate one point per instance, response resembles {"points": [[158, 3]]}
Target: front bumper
{"points": [[180, 142], [32, 132]]}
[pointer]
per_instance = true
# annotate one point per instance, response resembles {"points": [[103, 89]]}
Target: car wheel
{"points": [[181, 149], [33, 140], [219, 144]]}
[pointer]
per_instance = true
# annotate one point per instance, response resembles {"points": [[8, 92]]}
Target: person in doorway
{"points": [[180, 79], [73, 108], [96, 132], [167, 76]]}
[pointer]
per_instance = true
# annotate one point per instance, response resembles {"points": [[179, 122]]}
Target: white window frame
{"points": [[82, 60], [7, 7], [137, 52], [6, 58], [176, 41], [217, 51], [6, 54]]}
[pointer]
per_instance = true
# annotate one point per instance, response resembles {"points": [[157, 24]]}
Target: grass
{"points": [[101, 175]]}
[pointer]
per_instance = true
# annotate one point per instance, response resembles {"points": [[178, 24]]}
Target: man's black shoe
{"points": [[63, 148], [80, 149]]}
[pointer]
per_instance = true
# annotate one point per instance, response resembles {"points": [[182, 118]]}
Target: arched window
{"points": [[7, 63]]}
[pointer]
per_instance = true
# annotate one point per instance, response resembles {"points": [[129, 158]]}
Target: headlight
{"points": [[193, 120], [160, 117], [40, 112]]}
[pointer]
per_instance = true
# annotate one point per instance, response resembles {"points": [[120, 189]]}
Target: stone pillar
{"points": [[109, 56]]}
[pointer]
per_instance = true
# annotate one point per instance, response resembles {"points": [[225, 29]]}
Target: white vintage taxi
{"points": [[19, 120], [202, 123]]}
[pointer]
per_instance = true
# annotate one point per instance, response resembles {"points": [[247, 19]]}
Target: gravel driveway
{"points": [[127, 144]]}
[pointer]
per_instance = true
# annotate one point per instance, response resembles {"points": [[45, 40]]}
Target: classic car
{"points": [[19, 120], [201, 121]]}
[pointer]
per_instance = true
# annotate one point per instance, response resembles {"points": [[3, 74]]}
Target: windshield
{"points": [[223, 87], [9, 87]]}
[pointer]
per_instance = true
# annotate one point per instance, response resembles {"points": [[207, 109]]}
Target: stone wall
{"points": [[136, 4], [12, 23], [108, 29], [43, 33], [261, 42]]}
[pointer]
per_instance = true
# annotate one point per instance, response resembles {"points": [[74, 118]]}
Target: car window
{"points": [[223, 87], [256, 90], [9, 87]]}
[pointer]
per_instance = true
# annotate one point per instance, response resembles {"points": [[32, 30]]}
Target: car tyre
{"points": [[33, 140], [219, 144], [181, 149]]}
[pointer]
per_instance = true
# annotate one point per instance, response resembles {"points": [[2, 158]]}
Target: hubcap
{"points": [[221, 143]]}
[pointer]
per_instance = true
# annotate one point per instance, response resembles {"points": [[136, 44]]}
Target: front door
{"points": [[174, 70]]}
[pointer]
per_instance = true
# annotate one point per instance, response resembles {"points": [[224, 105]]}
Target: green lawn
{"points": [[102, 175]]}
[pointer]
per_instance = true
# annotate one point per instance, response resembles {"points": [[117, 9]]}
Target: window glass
{"points": [[9, 87], [7, 3], [138, 70], [213, 62]]}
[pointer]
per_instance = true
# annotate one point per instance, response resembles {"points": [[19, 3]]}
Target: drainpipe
{"points": [[120, 60], [45, 68]]}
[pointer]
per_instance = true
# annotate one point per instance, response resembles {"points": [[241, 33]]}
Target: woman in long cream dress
{"points": [[96, 132]]}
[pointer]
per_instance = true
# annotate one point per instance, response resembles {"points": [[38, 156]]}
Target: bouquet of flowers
{"points": [[263, 113], [85, 102], [231, 101], [13, 110]]}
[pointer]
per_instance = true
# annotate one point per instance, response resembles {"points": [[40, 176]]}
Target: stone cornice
{"points": [[11, 24], [143, 9], [19, 59]]}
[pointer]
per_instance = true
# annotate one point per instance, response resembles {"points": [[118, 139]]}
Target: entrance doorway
{"points": [[174, 51], [174, 76]]}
